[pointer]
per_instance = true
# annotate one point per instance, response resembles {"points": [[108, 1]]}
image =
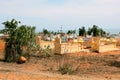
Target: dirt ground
{"points": [[86, 66], [92, 66]]}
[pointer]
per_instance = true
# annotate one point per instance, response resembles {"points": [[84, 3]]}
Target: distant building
{"points": [[115, 35]]}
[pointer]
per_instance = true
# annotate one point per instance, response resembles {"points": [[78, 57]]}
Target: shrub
{"points": [[45, 53], [66, 69], [68, 65], [115, 63]]}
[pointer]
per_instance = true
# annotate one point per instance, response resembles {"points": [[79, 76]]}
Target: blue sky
{"points": [[71, 14]]}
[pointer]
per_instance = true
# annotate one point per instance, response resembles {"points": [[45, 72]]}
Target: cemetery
{"points": [[57, 53], [96, 44]]}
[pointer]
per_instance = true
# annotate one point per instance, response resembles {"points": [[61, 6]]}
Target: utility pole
{"points": [[61, 29]]}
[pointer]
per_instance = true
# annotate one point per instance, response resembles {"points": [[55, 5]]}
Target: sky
{"points": [[68, 14]]}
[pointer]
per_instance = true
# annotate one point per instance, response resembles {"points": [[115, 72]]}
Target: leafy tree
{"points": [[89, 32], [45, 31], [71, 32], [18, 37], [1, 31], [82, 31], [74, 31], [102, 32], [95, 30]]}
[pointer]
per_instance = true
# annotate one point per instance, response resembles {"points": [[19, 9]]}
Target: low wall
{"points": [[45, 44], [59, 47], [104, 48], [69, 47], [2, 49], [101, 45], [72, 46]]}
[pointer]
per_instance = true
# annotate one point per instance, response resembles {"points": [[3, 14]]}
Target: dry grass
{"points": [[67, 65], [64, 64], [77, 65]]}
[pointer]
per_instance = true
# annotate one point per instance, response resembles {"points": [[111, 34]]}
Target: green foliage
{"points": [[45, 31], [71, 32], [18, 37], [82, 31], [46, 52], [89, 32], [1, 31], [102, 32], [96, 31]]}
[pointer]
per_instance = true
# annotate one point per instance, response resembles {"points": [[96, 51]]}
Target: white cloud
{"points": [[70, 11], [72, 7]]}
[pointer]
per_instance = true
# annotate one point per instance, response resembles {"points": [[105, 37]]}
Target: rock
{"points": [[22, 59]]}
